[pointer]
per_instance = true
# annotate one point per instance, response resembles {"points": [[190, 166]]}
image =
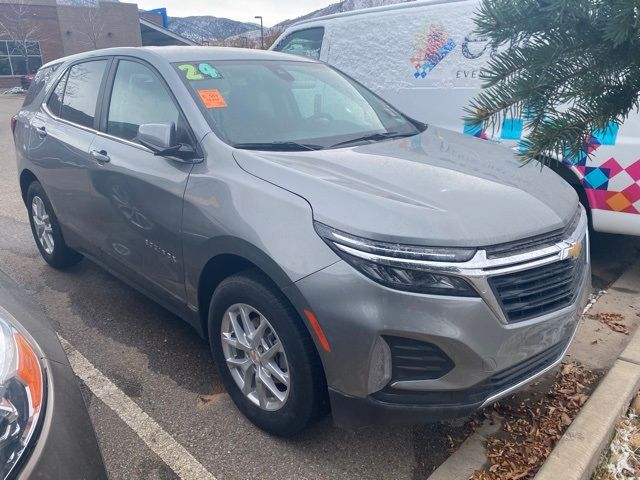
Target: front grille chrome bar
{"points": [[480, 268]]}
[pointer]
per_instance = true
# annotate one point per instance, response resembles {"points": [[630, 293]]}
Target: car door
{"points": [[59, 147], [141, 194]]}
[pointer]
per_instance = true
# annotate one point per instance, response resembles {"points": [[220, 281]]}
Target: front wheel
{"points": [[265, 356]]}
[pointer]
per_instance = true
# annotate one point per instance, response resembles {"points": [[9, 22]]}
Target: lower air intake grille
{"points": [[477, 394], [415, 360]]}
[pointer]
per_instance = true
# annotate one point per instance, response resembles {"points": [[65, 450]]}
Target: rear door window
{"points": [[81, 92], [306, 43]]}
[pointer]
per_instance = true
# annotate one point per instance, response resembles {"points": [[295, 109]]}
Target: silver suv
{"points": [[337, 254]]}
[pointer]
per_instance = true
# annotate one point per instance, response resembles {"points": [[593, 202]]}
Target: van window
{"points": [[306, 43], [139, 96], [38, 83], [81, 93]]}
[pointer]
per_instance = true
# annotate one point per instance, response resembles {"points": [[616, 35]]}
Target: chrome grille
{"points": [[541, 290], [532, 243]]}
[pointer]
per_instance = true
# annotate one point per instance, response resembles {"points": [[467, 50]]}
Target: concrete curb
{"points": [[468, 458], [576, 455]]}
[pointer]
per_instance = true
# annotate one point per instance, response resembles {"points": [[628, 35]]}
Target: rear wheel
{"points": [[46, 230], [265, 356]]}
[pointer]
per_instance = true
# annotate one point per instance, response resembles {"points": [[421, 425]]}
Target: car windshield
{"points": [[289, 105]]}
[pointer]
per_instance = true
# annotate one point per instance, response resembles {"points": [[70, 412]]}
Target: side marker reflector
{"points": [[316, 328]]}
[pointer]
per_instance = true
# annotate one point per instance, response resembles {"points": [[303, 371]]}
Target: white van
{"points": [[424, 58]]}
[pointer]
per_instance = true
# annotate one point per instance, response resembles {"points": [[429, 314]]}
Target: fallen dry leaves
{"points": [[532, 428], [614, 321]]}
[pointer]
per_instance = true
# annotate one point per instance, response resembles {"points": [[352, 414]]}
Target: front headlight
{"points": [[402, 267], [21, 395]]}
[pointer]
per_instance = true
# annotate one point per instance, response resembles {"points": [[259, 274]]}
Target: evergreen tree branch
{"points": [[568, 67]]}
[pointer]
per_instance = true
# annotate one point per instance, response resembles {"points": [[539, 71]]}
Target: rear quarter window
{"points": [[39, 82]]}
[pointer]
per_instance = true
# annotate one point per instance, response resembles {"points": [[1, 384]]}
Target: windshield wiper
{"points": [[277, 146], [374, 137]]}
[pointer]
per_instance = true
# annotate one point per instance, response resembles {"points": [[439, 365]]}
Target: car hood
{"points": [[438, 188]]}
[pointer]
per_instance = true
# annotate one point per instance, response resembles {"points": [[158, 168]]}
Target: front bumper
{"points": [[391, 406], [64, 444], [491, 356]]}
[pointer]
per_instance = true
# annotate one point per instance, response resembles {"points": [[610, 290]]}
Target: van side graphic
{"points": [[435, 43]]}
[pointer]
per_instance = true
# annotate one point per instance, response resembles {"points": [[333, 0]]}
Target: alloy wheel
{"points": [[42, 223], [255, 357]]}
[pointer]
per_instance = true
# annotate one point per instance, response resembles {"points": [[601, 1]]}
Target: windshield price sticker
{"points": [[209, 70], [212, 98], [201, 72]]}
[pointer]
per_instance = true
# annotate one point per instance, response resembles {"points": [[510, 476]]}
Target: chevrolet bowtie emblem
{"points": [[574, 251]]}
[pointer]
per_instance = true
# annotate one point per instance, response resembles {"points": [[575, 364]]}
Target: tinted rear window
{"points": [[55, 100], [81, 93], [37, 85]]}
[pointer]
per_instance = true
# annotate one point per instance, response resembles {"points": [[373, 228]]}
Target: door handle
{"points": [[42, 132], [100, 155]]}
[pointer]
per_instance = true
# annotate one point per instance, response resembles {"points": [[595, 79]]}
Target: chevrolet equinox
{"points": [[335, 253]]}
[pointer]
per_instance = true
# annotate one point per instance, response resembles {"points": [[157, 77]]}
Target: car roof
{"points": [[366, 11], [184, 54]]}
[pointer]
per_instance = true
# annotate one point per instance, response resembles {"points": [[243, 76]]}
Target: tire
{"points": [[584, 200], [306, 393], [42, 218]]}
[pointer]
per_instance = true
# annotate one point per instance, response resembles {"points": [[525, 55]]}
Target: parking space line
{"points": [[153, 435]]}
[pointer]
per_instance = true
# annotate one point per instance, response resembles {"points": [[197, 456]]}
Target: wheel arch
{"points": [[229, 256], [571, 177], [27, 177]]}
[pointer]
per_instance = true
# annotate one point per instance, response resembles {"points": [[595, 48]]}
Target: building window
{"points": [[19, 58]]}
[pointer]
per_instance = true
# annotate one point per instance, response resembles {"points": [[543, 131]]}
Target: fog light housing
{"points": [[379, 366]]}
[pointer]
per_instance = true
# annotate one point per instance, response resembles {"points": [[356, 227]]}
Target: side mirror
{"points": [[157, 136], [160, 138]]}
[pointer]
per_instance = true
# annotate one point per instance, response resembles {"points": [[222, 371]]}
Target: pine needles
{"points": [[568, 68]]}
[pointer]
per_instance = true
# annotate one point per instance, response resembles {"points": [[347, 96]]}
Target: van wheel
{"points": [[46, 230], [584, 200], [265, 356]]}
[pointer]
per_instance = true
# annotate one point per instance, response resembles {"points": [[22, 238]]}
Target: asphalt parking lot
{"points": [[163, 368]]}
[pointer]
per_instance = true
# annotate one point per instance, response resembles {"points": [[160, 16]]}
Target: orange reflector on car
{"points": [[29, 372], [316, 328]]}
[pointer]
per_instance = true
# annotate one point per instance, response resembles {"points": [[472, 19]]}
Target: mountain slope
{"points": [[201, 28], [338, 7], [206, 27]]}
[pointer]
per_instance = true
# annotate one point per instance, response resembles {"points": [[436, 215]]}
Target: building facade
{"points": [[33, 32], [107, 24]]}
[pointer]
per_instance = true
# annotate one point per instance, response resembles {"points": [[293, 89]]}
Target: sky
{"points": [[273, 11]]}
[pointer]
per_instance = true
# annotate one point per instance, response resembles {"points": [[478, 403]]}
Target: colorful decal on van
{"points": [[434, 43], [609, 186], [475, 130], [511, 130]]}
